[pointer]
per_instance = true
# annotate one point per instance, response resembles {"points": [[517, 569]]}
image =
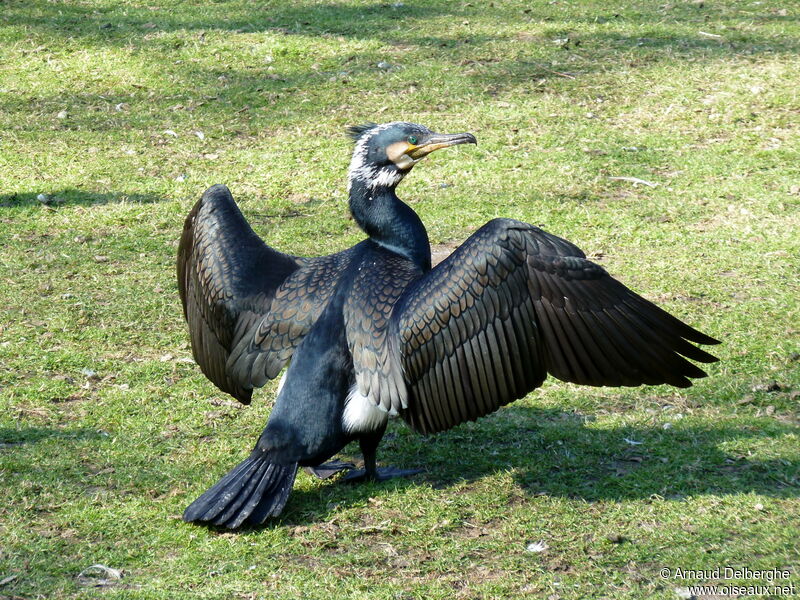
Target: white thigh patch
{"points": [[361, 414]]}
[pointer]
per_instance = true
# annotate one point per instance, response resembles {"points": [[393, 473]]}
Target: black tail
{"points": [[252, 491]]}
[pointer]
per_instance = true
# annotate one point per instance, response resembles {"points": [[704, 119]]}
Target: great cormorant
{"points": [[373, 331]]}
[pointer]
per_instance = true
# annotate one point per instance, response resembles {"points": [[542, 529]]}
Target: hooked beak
{"points": [[436, 141]]}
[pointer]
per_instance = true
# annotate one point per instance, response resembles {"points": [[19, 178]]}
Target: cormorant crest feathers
{"points": [[356, 131]]}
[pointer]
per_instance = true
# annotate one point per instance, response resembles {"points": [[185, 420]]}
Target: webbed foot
{"points": [[329, 469], [382, 474]]}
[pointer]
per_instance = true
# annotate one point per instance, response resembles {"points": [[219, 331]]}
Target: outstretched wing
{"points": [[247, 305], [514, 303]]}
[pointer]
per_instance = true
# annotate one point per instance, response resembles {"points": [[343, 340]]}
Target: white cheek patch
{"points": [[396, 151], [361, 414], [405, 162], [397, 154]]}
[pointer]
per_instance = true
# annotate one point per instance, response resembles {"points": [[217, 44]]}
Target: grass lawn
{"points": [[116, 115]]}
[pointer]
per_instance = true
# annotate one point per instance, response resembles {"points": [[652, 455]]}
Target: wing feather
{"points": [[479, 360], [245, 303], [514, 303]]}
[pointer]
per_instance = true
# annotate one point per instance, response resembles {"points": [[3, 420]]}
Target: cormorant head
{"points": [[384, 154]]}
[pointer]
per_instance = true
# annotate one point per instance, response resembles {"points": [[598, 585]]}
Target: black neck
{"points": [[390, 222]]}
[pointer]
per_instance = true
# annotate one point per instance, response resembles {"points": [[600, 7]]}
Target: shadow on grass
{"points": [[597, 40], [74, 197], [391, 22], [11, 437], [555, 454], [109, 26], [550, 453]]}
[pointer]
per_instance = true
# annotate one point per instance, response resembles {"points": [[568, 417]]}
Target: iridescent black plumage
{"points": [[374, 331]]}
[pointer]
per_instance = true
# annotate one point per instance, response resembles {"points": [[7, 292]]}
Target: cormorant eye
{"points": [[412, 139]]}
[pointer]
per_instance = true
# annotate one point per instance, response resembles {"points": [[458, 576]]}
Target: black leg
{"points": [[369, 449], [371, 472]]}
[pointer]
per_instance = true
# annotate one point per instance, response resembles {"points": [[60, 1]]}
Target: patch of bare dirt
{"points": [[441, 251]]}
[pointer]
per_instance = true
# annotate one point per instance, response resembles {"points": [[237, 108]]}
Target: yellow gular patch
{"points": [[397, 154], [396, 150]]}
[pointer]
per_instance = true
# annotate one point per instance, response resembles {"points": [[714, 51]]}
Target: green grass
{"points": [[107, 430]]}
